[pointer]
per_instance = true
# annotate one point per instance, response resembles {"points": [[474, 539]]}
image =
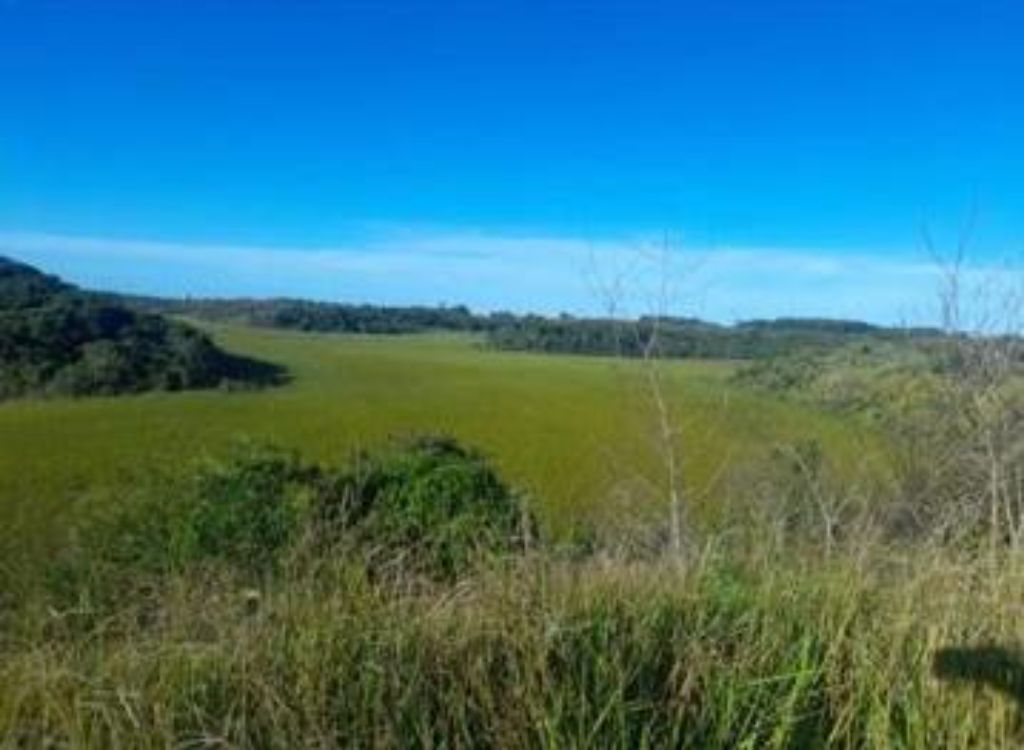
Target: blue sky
{"points": [[514, 155]]}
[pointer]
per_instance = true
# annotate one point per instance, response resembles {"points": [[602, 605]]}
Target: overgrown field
{"points": [[576, 432], [162, 585], [265, 602]]}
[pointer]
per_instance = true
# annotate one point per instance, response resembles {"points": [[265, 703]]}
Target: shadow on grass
{"points": [[996, 667], [242, 373]]}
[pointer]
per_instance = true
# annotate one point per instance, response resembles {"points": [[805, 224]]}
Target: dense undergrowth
{"points": [[405, 600], [545, 654]]}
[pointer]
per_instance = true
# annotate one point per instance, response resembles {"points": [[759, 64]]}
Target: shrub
{"points": [[426, 506], [246, 509], [430, 506]]}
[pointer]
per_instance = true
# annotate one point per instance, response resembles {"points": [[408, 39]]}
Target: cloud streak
{"points": [[491, 271]]}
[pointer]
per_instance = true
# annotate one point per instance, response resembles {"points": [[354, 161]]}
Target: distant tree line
{"points": [[688, 338], [305, 315], [668, 337]]}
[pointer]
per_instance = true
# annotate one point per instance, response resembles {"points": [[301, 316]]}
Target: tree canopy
{"points": [[58, 339]]}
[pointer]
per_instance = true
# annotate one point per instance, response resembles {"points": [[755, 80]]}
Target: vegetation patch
{"points": [[430, 505], [56, 339], [422, 507], [575, 432]]}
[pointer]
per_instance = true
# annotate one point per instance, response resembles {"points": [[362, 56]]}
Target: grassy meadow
{"points": [[573, 431], [134, 615]]}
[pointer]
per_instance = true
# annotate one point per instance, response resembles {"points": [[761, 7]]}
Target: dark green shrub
{"points": [[427, 505], [245, 509], [241, 513]]}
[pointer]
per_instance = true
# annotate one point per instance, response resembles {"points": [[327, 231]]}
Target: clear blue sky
{"points": [[196, 147]]}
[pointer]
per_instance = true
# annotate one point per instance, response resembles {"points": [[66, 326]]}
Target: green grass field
{"points": [[752, 638], [568, 429]]}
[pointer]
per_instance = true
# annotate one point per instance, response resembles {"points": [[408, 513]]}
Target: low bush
{"points": [[429, 506], [426, 506]]}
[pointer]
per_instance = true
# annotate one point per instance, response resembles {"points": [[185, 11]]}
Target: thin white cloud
{"points": [[494, 271]]}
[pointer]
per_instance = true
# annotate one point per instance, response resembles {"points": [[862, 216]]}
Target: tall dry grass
{"points": [[873, 648]]}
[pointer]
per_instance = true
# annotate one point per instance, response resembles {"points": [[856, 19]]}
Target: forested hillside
{"points": [[58, 339]]}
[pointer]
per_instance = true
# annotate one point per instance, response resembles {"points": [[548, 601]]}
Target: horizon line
{"points": [[519, 273]]}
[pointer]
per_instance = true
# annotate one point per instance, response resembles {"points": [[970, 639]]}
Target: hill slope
{"points": [[58, 339]]}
